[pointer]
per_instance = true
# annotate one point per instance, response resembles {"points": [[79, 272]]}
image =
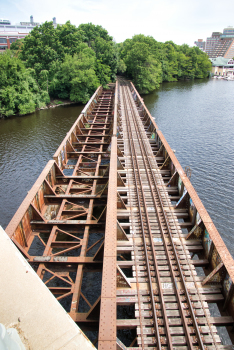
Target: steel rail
{"points": [[134, 159], [199, 294], [135, 264], [145, 158], [144, 155], [134, 248]]}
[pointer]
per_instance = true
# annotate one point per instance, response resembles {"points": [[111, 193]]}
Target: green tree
{"points": [[69, 62], [103, 45], [121, 66], [42, 48], [45, 50], [69, 37], [149, 62], [76, 78], [142, 66], [19, 90], [17, 46], [169, 62]]}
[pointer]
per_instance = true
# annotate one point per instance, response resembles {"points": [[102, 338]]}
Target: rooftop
{"points": [[221, 61]]}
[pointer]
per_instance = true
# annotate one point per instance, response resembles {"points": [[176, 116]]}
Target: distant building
{"points": [[54, 22], [5, 21], [10, 33], [228, 33], [30, 24], [222, 67], [7, 38], [224, 48], [212, 42], [219, 44], [201, 44]]}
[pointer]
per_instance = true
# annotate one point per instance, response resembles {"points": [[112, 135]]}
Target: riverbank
{"points": [[58, 103], [53, 104]]}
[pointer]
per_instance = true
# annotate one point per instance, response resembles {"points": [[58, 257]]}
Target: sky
{"points": [[181, 21]]}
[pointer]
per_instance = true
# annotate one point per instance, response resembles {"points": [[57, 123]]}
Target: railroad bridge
{"points": [[116, 231]]}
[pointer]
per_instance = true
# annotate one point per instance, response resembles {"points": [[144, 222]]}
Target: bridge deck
{"points": [[116, 231]]}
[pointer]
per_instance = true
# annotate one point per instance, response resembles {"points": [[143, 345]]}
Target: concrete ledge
{"points": [[23, 296]]}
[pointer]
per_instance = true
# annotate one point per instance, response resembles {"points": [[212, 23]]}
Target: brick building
{"points": [[10, 33]]}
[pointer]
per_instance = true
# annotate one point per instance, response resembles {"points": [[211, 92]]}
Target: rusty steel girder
{"points": [[60, 226], [113, 222]]}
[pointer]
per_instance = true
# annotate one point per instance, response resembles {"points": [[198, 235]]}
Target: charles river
{"points": [[197, 119]]}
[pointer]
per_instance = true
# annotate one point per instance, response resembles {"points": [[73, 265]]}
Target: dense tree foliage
{"points": [[64, 62], [17, 46], [76, 78], [19, 90], [70, 63], [150, 62], [99, 40], [141, 64]]}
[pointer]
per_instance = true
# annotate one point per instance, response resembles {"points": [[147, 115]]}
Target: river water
{"points": [[197, 119], [27, 143]]}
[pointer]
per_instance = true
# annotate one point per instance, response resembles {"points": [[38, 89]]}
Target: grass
{"points": [[56, 102]]}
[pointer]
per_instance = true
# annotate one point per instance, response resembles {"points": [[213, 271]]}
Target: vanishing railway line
{"points": [[116, 231], [171, 308]]}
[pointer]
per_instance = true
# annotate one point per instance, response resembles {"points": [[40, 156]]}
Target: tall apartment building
{"points": [[224, 48], [228, 33], [212, 42], [10, 33], [220, 44]]}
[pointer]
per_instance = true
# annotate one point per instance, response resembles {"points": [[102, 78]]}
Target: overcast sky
{"points": [[181, 21]]}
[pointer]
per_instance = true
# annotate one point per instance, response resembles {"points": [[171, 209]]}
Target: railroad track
{"points": [[177, 323]]}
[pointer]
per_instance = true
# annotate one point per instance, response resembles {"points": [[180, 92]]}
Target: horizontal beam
{"points": [[64, 259], [90, 143], [81, 177], [67, 222], [88, 152], [222, 321], [200, 262], [74, 196]]}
